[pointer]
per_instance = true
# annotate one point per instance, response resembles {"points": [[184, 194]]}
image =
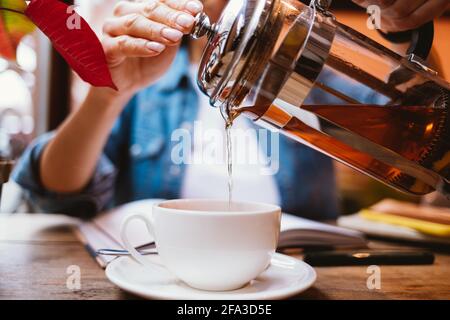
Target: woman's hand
{"points": [[402, 15], [142, 39]]}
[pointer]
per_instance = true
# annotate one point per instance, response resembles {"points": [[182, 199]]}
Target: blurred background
{"points": [[39, 91]]}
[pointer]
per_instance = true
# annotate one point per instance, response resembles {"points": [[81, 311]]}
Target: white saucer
{"points": [[285, 277]]}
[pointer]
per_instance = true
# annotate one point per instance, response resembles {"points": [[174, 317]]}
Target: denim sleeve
{"points": [[98, 193], [85, 204]]}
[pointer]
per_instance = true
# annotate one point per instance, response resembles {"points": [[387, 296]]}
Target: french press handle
{"points": [[421, 39]]}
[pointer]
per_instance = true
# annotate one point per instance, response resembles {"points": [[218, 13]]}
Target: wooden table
{"points": [[36, 250]]}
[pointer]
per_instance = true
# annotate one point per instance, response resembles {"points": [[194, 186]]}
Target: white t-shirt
{"points": [[207, 175]]}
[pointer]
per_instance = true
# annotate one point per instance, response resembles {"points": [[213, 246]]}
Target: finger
{"points": [[380, 3], [119, 48], [123, 8], [138, 26], [167, 15], [383, 4], [159, 12], [192, 6], [402, 9], [427, 12]]}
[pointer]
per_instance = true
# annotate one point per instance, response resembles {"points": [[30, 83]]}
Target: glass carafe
{"points": [[381, 113]]}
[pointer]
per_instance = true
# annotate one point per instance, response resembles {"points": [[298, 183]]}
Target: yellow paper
{"points": [[430, 228]]}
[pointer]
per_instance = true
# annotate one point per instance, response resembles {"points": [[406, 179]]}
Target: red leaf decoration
{"points": [[6, 47], [77, 43]]}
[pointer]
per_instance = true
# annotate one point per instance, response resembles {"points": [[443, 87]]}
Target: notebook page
{"points": [[291, 222]]}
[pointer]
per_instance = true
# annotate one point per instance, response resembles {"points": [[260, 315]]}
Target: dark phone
{"points": [[365, 258]]}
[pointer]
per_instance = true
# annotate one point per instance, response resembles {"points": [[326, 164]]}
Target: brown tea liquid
{"points": [[229, 115], [396, 145], [229, 156]]}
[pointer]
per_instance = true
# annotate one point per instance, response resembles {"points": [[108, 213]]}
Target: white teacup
{"points": [[208, 245]]}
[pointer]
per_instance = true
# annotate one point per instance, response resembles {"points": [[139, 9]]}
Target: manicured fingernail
{"points": [[172, 34], [194, 7], [155, 46], [185, 20]]}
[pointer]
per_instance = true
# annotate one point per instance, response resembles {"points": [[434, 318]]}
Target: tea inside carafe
{"points": [[413, 141]]}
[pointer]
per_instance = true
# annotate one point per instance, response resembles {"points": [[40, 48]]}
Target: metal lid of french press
{"points": [[230, 43]]}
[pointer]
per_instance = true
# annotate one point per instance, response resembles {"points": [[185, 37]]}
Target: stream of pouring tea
{"points": [[229, 163], [228, 117]]}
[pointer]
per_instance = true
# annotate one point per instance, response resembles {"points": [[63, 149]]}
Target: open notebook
{"points": [[104, 232]]}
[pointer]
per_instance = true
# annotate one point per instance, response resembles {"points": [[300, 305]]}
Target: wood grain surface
{"points": [[36, 250]]}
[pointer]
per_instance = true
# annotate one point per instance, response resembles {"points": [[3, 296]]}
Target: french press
{"points": [[293, 67]]}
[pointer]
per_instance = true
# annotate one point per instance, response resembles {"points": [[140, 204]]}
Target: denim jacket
{"points": [[136, 161]]}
